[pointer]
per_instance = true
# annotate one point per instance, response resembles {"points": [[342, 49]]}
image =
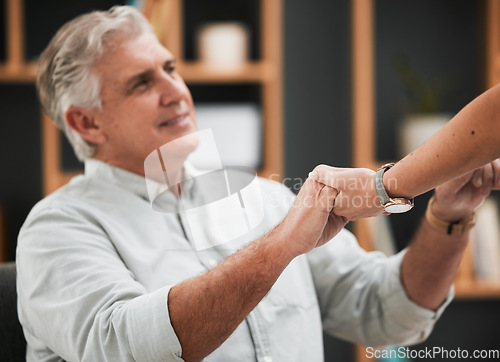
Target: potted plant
{"points": [[424, 116]]}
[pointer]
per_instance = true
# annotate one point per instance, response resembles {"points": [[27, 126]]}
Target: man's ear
{"points": [[83, 122]]}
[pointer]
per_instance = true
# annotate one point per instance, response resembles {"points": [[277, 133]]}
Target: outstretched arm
{"points": [[471, 139]]}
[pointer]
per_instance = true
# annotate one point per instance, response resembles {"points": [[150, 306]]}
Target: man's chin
{"points": [[182, 146], [176, 150]]}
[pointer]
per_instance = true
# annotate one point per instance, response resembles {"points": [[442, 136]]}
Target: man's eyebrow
{"points": [[148, 72], [170, 62], [137, 77]]}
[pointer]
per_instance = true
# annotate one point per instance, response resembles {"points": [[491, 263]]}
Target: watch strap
{"points": [[459, 227], [379, 184]]}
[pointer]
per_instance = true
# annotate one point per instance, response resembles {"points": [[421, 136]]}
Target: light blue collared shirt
{"points": [[96, 263]]}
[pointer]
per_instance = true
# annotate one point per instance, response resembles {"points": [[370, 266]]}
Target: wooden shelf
{"points": [[492, 42], [18, 73], [477, 289], [196, 72]]}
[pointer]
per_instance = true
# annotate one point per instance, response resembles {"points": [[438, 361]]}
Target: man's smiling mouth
{"points": [[178, 120]]}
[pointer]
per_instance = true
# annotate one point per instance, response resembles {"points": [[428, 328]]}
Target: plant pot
{"points": [[417, 128]]}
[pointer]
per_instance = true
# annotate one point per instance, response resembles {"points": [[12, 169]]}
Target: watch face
{"points": [[398, 208]]}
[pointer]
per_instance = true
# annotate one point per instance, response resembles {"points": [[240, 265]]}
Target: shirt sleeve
{"points": [[362, 298], [77, 298]]}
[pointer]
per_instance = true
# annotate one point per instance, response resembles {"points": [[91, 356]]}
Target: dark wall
{"points": [[441, 44], [20, 170], [317, 85]]}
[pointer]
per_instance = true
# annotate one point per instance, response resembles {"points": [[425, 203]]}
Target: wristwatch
{"points": [[391, 205]]}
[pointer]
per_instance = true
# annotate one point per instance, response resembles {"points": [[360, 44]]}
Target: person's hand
{"points": [[457, 199], [356, 186], [310, 222]]}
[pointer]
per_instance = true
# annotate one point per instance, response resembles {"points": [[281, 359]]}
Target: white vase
{"points": [[417, 128], [223, 46]]}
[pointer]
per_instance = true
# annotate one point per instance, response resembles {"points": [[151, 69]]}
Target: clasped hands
{"points": [[333, 196], [454, 200]]}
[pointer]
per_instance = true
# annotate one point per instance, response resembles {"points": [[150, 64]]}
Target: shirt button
{"points": [[213, 263], [267, 359]]}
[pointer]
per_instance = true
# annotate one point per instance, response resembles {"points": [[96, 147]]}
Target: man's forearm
{"points": [[430, 265], [204, 311]]}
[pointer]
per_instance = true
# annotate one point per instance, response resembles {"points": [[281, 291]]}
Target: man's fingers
{"points": [[317, 196], [352, 179], [326, 174], [326, 197]]}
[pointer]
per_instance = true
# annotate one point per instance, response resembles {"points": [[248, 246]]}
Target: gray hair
{"points": [[65, 76]]}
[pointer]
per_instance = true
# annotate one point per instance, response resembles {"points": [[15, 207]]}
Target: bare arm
{"points": [[204, 311], [431, 263], [471, 139]]}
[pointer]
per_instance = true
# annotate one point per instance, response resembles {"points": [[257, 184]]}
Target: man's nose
{"points": [[172, 90]]}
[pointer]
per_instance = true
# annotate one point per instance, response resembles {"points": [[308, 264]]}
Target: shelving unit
{"points": [[363, 110], [15, 69], [467, 286], [492, 43], [265, 72]]}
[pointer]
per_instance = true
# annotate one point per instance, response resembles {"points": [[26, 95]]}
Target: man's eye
{"points": [[170, 69], [142, 84]]}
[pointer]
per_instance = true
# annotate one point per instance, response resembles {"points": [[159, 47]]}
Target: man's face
{"points": [[145, 104]]}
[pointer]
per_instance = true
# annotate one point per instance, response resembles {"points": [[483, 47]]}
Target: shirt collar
{"points": [[148, 189]]}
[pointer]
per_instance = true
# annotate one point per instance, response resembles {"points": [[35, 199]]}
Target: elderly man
{"points": [[104, 277]]}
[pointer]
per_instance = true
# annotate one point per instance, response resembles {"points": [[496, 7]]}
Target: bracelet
{"points": [[459, 227]]}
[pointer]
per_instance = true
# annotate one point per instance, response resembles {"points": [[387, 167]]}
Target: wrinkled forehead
{"points": [[129, 56]]}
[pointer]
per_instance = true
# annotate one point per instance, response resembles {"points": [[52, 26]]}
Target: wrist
{"points": [[449, 213], [390, 204], [278, 239], [447, 224], [392, 184], [374, 196]]}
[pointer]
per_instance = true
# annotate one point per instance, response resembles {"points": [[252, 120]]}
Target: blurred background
{"points": [[345, 82]]}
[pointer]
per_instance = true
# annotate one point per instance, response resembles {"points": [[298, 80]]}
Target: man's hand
{"points": [[457, 199], [356, 186], [310, 221]]}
